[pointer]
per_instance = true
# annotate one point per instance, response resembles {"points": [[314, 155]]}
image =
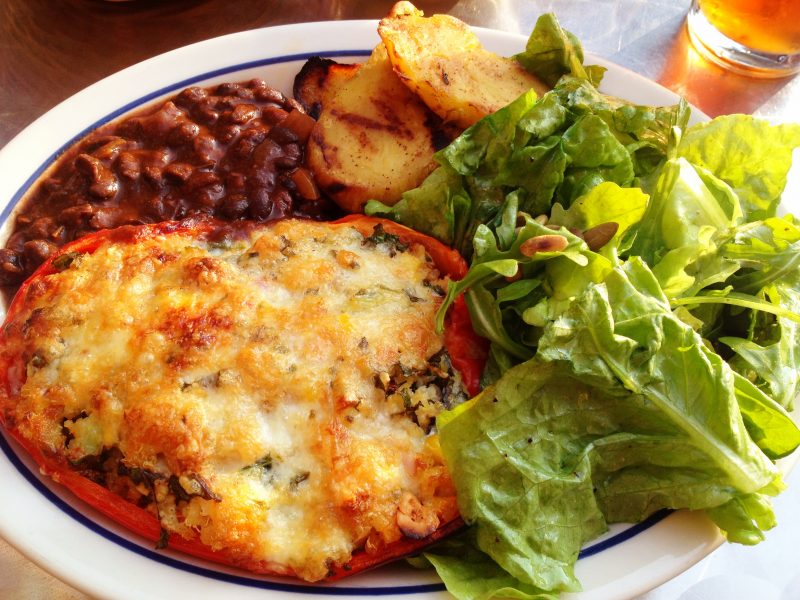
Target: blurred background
{"points": [[50, 50]]}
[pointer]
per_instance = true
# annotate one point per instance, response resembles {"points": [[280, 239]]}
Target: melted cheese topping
{"points": [[253, 366]]}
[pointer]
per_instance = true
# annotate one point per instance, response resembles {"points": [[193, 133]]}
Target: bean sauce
{"points": [[233, 151]]}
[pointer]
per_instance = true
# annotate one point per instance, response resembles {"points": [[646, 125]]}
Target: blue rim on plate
{"points": [[162, 558]]}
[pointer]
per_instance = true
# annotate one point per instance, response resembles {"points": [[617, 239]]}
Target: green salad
{"points": [[641, 294]]}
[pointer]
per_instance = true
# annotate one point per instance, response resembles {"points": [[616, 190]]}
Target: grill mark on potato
{"points": [[395, 128]]}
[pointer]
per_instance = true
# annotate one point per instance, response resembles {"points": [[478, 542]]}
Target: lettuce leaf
{"points": [[552, 52], [527, 493], [623, 411], [749, 154], [469, 574], [553, 149], [744, 519], [653, 372]]}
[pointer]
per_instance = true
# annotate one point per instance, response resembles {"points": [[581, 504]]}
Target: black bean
{"points": [[75, 216], [153, 174], [234, 206], [103, 183], [272, 114], [41, 227], [266, 152], [243, 113], [282, 135], [37, 251], [11, 268], [183, 134], [105, 188], [110, 149], [225, 104], [205, 148], [235, 182], [270, 95], [256, 133], [191, 97], [105, 218], [155, 207], [201, 179], [206, 115], [228, 89], [128, 166], [261, 178], [178, 171], [260, 205], [246, 93], [130, 129], [207, 197], [228, 133], [17, 240]]}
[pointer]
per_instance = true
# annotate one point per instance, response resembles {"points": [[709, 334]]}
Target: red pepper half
{"points": [[467, 352]]}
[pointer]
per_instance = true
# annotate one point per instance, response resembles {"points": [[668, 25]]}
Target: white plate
{"points": [[81, 547]]}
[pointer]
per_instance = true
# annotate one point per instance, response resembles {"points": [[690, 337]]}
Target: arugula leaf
{"points": [[487, 321], [490, 264], [768, 424], [768, 249], [763, 358]]}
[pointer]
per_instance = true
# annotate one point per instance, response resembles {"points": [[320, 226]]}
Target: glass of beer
{"points": [[754, 37]]}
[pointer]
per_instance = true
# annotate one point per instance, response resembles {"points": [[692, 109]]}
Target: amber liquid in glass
{"points": [[765, 25]]}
